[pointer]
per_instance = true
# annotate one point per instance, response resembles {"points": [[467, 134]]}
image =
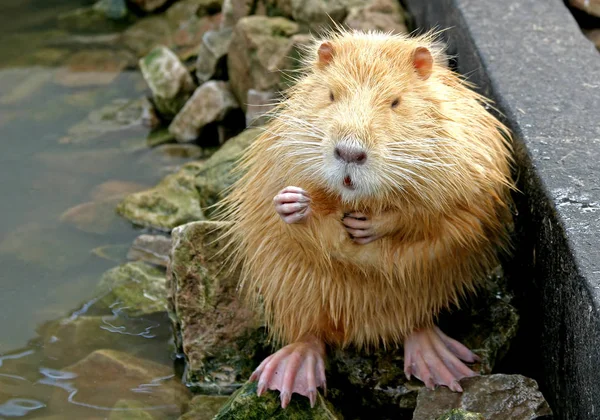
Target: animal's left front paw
{"points": [[360, 228]]}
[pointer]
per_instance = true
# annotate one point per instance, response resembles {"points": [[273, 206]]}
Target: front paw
{"points": [[360, 228], [292, 204]]}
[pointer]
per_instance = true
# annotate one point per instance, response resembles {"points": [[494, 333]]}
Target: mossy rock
{"points": [[460, 414], [204, 407], [246, 405]]}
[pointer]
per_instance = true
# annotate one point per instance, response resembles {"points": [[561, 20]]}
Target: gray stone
{"points": [[258, 51], [137, 288], [260, 103], [245, 404], [317, 15], [496, 397], [169, 80], [219, 336], [212, 56], [153, 249], [544, 75], [377, 15], [210, 103], [173, 202]]}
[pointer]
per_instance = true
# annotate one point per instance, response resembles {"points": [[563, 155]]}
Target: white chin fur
{"points": [[363, 185]]}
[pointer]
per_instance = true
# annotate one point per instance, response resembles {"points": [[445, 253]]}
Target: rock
{"points": [[159, 136], [234, 10], [496, 397], [259, 49], [459, 414], [184, 9], [377, 15], [130, 410], [204, 407], [169, 80], [373, 383], [94, 67], [153, 249], [589, 6], [147, 34], [174, 201], [100, 125], [112, 9], [260, 103], [170, 157], [245, 404], [114, 189], [317, 15], [188, 35], [97, 217], [136, 287], [113, 252], [212, 55], [106, 377], [210, 103], [216, 174], [221, 339], [149, 5]]}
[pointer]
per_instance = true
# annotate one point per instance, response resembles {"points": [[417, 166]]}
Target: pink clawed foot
{"points": [[435, 358], [292, 204], [298, 367], [360, 228]]}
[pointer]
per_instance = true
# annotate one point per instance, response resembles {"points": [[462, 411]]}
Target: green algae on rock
{"points": [[173, 202], [216, 174], [460, 414], [130, 410], [221, 339], [246, 405], [137, 287], [204, 407]]}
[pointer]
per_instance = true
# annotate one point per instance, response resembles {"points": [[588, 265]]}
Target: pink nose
{"points": [[350, 153]]}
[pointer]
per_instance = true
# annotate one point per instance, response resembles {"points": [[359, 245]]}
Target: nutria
{"points": [[377, 196]]}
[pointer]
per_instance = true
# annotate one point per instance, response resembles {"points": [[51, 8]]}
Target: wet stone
{"points": [[260, 47], [136, 288], [97, 217], [173, 202], [216, 174], [169, 80], [496, 397], [153, 249], [245, 404], [222, 340], [210, 103], [212, 55], [114, 189]]}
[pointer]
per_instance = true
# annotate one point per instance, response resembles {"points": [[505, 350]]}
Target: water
{"points": [[49, 270]]}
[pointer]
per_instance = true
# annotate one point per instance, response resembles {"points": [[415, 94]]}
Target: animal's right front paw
{"points": [[292, 204]]}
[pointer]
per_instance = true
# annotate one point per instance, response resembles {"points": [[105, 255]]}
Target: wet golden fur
{"points": [[438, 184]]}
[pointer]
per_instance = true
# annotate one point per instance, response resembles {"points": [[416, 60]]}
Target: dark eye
{"points": [[395, 103], [331, 97]]}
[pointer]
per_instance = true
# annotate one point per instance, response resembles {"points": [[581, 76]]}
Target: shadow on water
{"points": [[63, 168]]}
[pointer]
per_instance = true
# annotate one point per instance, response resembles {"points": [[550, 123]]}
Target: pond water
{"points": [[52, 160]]}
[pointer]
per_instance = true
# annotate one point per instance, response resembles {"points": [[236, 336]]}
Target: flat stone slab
{"points": [[533, 60]]}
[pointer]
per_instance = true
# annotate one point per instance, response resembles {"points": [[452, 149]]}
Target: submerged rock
{"points": [[496, 397], [212, 55], [204, 407], [174, 201], [217, 174], [95, 67], [130, 410], [136, 287], [210, 103], [221, 339], [260, 47], [169, 80], [153, 249], [115, 189], [97, 217], [377, 15], [245, 404]]}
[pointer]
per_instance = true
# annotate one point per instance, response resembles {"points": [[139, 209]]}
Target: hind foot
{"points": [[436, 359], [298, 367]]}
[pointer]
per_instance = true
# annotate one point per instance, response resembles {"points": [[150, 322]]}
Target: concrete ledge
{"points": [[531, 58]]}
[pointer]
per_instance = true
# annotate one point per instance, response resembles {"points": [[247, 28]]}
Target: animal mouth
{"points": [[348, 182]]}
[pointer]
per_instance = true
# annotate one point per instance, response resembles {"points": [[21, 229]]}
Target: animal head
{"points": [[374, 117]]}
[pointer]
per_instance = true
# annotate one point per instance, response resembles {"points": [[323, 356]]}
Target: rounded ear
{"points": [[325, 53], [422, 62]]}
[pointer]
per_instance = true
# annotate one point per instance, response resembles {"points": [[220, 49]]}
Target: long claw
{"points": [[261, 388], [312, 396], [285, 399]]}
